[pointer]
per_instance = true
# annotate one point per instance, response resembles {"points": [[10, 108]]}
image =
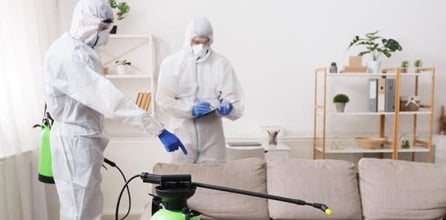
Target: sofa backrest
{"points": [[395, 189], [247, 174], [331, 182]]}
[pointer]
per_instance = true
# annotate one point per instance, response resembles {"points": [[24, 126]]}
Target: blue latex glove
{"points": [[225, 108], [201, 108], [171, 142]]}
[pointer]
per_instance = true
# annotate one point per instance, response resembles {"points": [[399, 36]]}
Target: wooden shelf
{"points": [[354, 149], [422, 112], [322, 113], [378, 75]]}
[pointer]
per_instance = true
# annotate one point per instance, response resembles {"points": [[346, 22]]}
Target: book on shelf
{"points": [[143, 100], [381, 95], [373, 84]]}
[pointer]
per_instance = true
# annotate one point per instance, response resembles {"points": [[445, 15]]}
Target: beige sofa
{"points": [[377, 189]]}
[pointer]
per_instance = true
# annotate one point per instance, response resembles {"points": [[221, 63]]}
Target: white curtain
{"points": [[27, 27]]}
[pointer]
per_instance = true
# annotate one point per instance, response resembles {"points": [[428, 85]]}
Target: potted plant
{"points": [[122, 66], [404, 66], [340, 100], [375, 45], [417, 64], [333, 68], [120, 10]]}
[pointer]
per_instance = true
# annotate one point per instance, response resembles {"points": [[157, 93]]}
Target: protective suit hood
{"points": [[198, 26], [87, 16]]}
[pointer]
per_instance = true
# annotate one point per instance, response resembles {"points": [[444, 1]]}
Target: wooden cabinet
{"points": [[335, 132]]}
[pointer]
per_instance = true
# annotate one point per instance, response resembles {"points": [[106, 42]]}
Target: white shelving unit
{"points": [[140, 51], [323, 138]]}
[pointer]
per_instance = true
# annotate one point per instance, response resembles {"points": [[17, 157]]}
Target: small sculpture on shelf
{"points": [[411, 103]]}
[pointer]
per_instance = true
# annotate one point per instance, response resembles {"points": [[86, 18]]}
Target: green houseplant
{"points": [[417, 64], [375, 45], [404, 66], [340, 100], [120, 9]]}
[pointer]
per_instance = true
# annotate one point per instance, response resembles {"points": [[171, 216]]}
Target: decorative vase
{"points": [[121, 69], [374, 67], [340, 106]]}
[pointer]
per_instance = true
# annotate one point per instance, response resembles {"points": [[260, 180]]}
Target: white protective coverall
{"points": [[185, 79], [78, 97]]}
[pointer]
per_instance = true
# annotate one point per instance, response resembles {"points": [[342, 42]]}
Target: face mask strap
{"points": [[95, 42]]}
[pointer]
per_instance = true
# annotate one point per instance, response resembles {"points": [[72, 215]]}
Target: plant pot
{"points": [[122, 69], [403, 70], [333, 69], [374, 67], [340, 106]]}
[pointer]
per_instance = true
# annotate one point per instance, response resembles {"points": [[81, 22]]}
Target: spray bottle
{"points": [[45, 164]]}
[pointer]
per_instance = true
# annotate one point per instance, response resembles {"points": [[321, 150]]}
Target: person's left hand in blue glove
{"points": [[201, 108], [171, 142], [224, 108]]}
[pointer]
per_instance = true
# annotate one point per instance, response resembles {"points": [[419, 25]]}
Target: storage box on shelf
{"points": [[138, 79], [388, 116]]}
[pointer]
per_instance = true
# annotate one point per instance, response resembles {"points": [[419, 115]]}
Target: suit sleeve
{"points": [[167, 92], [83, 83]]}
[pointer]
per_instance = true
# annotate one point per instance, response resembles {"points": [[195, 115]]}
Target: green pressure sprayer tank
{"points": [[45, 165], [164, 214]]}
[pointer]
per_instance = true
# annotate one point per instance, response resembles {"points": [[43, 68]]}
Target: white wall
{"points": [[275, 45]]}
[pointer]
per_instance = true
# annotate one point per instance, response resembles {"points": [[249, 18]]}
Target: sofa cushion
{"points": [[393, 189], [246, 174], [331, 182]]}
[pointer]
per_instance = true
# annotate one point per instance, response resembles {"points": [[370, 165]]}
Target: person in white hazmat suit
{"points": [[196, 88], [78, 97]]}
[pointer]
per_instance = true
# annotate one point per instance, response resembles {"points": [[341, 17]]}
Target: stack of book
{"points": [[143, 100]]}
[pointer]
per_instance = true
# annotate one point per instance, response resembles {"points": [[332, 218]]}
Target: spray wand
{"points": [[174, 191]]}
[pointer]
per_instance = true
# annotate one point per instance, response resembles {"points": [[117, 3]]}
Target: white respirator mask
{"points": [[102, 38], [200, 50]]}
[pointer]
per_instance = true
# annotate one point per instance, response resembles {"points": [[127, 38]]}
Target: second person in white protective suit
{"points": [[78, 97], [197, 87]]}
